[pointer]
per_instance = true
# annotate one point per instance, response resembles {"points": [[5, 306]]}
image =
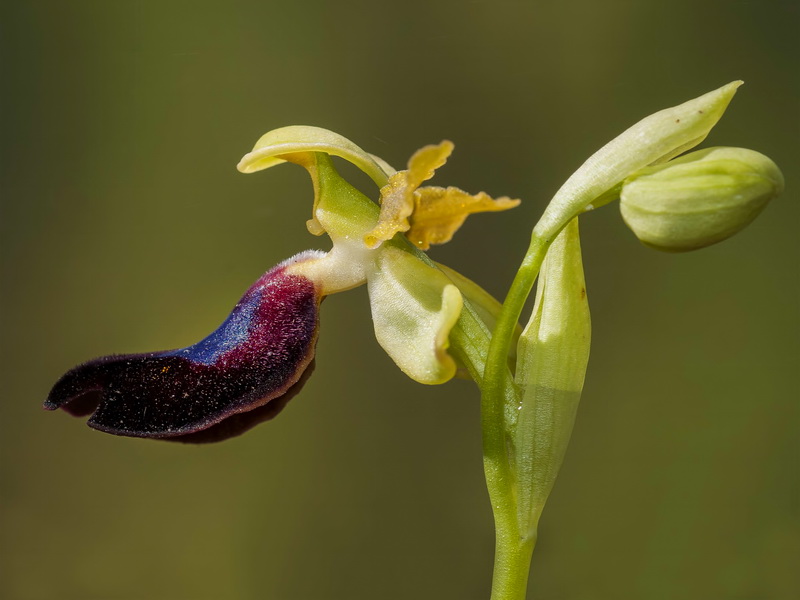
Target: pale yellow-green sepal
{"points": [[414, 307], [278, 146], [305, 146], [344, 213]]}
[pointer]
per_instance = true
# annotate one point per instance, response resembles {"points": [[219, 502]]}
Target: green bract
{"points": [[552, 355], [698, 199], [654, 139]]}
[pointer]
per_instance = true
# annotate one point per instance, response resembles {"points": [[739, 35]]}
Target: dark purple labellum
{"points": [[255, 356]]}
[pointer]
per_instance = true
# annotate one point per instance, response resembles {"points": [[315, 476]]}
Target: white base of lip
{"points": [[341, 269]]}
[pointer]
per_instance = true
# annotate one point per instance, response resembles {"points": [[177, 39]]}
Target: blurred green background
{"points": [[126, 228]]}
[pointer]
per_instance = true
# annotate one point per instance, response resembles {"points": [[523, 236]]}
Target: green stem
{"points": [[487, 363], [512, 563], [512, 551]]}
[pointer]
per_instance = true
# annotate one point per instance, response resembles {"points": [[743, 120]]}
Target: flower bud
{"points": [[698, 199]]}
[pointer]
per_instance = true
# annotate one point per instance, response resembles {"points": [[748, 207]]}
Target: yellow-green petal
{"points": [[398, 195], [414, 307], [439, 212]]}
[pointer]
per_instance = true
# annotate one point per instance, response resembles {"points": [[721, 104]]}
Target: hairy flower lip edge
{"points": [[228, 428], [240, 423], [210, 368]]}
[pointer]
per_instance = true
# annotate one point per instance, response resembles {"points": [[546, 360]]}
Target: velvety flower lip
{"points": [[258, 353]]}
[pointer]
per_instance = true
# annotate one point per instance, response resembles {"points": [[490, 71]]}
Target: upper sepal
{"points": [[292, 142], [255, 356]]}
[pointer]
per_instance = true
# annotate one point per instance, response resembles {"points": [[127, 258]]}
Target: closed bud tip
{"points": [[698, 199]]}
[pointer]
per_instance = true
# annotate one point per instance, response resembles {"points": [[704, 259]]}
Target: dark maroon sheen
{"points": [[255, 356], [237, 424]]}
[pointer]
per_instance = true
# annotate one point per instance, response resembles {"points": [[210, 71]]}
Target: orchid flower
{"points": [[432, 321], [262, 349]]}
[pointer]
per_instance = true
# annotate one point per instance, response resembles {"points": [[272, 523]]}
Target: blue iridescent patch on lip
{"points": [[232, 333], [258, 353]]}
